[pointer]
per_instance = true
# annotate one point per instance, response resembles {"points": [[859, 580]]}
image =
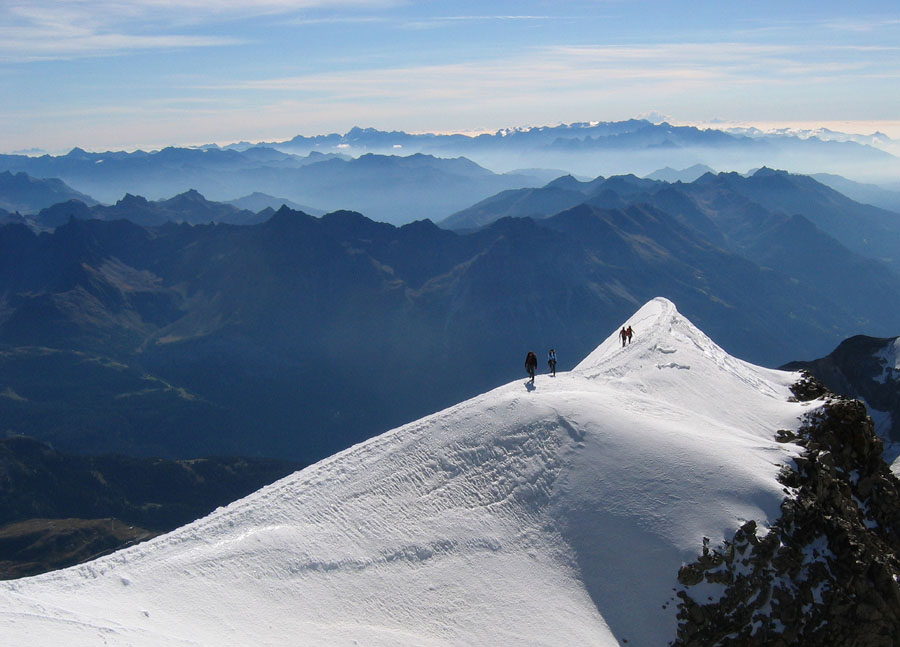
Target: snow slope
{"points": [[548, 515]]}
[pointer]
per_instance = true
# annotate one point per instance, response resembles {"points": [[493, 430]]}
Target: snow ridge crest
{"points": [[665, 341]]}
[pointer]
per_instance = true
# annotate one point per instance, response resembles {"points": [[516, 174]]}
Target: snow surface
{"points": [[548, 515], [889, 358]]}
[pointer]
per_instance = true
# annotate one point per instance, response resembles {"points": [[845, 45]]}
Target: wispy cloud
{"points": [[337, 20], [564, 66], [555, 83], [19, 48], [59, 29], [440, 22], [862, 25]]}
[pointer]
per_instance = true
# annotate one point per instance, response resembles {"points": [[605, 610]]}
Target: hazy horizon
{"points": [[861, 129]]}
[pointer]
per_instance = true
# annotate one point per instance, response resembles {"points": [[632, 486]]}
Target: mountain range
{"points": [[878, 196], [227, 329], [399, 177], [389, 188], [659, 493], [610, 148], [726, 207], [19, 192]]}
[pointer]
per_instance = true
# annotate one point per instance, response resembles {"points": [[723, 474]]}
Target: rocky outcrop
{"points": [[864, 368], [826, 572]]}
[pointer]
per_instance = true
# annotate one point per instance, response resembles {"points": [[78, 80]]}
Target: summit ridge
{"points": [[544, 515]]}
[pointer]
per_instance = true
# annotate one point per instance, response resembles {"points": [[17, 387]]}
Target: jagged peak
{"points": [[130, 200], [765, 171], [191, 194]]}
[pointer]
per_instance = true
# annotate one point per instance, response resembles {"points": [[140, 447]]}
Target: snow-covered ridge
{"points": [[545, 515]]}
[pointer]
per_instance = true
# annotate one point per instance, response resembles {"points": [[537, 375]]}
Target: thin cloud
{"points": [[61, 29], [89, 45], [863, 25], [439, 22], [550, 81], [337, 20]]}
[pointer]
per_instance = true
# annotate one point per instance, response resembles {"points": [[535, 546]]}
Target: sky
{"points": [[122, 75]]}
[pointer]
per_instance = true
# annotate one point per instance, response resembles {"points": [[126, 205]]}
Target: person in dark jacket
{"points": [[551, 360], [531, 364]]}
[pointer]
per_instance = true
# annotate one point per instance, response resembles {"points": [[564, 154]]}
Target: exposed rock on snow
{"points": [[825, 573], [867, 368], [558, 514]]}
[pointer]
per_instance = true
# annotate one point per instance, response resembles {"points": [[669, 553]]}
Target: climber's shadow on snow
{"points": [[529, 386]]}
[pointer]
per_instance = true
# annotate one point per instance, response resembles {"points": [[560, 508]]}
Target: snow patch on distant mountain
{"points": [[889, 358], [551, 514]]}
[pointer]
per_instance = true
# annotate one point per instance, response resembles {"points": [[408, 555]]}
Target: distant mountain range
{"points": [[231, 330], [399, 177], [668, 174], [386, 187], [189, 207], [19, 192], [738, 212], [867, 193], [611, 148], [256, 202]]}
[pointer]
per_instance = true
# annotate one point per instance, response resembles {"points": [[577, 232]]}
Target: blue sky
{"points": [[110, 74]]}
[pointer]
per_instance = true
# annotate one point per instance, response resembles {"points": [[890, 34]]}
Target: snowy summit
{"points": [[547, 515]]}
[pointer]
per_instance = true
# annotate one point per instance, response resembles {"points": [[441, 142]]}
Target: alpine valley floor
{"points": [[547, 515]]}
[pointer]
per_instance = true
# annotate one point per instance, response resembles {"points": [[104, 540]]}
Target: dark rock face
{"points": [[808, 388], [827, 572], [859, 368]]}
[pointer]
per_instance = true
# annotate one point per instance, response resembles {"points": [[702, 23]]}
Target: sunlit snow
{"points": [[556, 514]]}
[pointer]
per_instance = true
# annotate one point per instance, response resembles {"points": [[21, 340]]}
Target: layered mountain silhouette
{"points": [[668, 174], [188, 207], [364, 325], [738, 212], [256, 202], [21, 193], [399, 177], [873, 194], [634, 145], [386, 187], [623, 135]]}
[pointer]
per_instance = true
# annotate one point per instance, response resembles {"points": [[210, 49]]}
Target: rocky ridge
{"points": [[865, 368], [827, 571]]}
